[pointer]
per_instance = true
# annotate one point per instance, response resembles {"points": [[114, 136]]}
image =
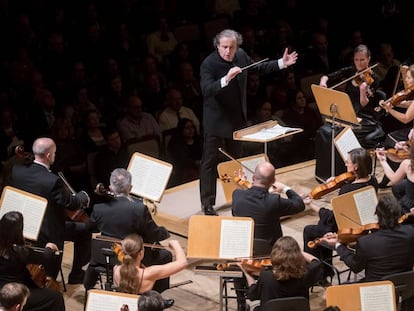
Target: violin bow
{"points": [[234, 159], [355, 75]]}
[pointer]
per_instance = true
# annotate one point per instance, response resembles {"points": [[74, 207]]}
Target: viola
{"points": [[250, 265], [397, 98], [117, 248], [332, 185]]}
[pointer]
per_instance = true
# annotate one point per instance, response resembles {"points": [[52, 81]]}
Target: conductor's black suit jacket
{"points": [[223, 104]]}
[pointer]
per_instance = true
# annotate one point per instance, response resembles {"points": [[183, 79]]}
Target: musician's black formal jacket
{"points": [[381, 253], [118, 218], [38, 180], [265, 209]]}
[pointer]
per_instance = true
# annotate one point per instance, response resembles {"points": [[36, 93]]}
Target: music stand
{"points": [[336, 107]]}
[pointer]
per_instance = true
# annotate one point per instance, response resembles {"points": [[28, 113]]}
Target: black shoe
{"points": [[77, 277], [209, 210], [168, 303]]}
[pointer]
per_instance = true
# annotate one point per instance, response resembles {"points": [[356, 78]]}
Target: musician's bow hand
{"points": [[52, 246], [330, 238], [83, 198], [401, 145], [278, 186], [124, 308], [381, 154], [289, 59]]}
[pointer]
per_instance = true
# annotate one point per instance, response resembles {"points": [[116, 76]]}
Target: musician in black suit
{"points": [[383, 252], [223, 84], [37, 178], [265, 208], [124, 215]]}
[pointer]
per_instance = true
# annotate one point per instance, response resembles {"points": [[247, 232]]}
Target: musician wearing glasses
{"points": [[37, 177], [123, 215], [223, 81]]}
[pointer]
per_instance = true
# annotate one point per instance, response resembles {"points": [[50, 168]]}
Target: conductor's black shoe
{"points": [[168, 303], [209, 210]]}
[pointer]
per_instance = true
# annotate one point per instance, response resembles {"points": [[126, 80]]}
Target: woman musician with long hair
{"points": [[15, 256]]}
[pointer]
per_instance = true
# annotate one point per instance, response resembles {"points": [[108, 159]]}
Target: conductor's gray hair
{"points": [[228, 33]]}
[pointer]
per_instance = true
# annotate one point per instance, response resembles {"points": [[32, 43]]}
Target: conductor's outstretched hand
{"points": [[289, 59]]}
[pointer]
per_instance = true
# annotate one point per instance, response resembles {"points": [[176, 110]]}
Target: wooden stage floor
{"points": [[178, 205]]}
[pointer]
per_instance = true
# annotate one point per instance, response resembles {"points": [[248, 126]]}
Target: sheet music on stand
{"points": [[32, 207], [265, 132], [149, 176], [101, 300], [345, 141]]}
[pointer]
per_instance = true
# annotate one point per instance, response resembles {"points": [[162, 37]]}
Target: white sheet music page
{"points": [[105, 302], [346, 142], [377, 297], [366, 203], [272, 132], [149, 177], [235, 238], [31, 206]]}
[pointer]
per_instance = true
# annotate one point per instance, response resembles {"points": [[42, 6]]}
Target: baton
{"points": [[254, 64]]}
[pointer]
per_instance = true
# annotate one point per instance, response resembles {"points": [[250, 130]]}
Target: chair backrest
{"points": [[404, 284], [296, 303]]}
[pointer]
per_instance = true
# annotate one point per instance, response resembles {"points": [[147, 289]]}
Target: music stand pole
{"points": [[334, 110]]}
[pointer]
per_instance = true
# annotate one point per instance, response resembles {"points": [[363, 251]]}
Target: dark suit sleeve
{"points": [[292, 205], [353, 259], [151, 232], [63, 197]]}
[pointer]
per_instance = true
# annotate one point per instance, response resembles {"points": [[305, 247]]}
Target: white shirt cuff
{"points": [[286, 189], [223, 82], [337, 244], [281, 63]]}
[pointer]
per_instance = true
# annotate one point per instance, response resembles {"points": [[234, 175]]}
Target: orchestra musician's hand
{"points": [[381, 154], [278, 187], [412, 210], [83, 198], [324, 81], [52, 246], [241, 174], [401, 145], [289, 59], [124, 308], [330, 238]]}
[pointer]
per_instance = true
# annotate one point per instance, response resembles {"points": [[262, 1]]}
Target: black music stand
{"points": [[336, 107]]}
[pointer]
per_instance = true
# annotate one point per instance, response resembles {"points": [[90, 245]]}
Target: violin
{"points": [[350, 235], [117, 248], [330, 186], [250, 265], [243, 184], [398, 155], [39, 277], [397, 98]]}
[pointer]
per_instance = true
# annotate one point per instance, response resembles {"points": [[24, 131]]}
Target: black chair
{"points": [[296, 303], [404, 289], [261, 249]]}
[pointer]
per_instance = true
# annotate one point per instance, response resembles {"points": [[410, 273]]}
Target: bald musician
{"points": [[36, 177], [266, 209]]}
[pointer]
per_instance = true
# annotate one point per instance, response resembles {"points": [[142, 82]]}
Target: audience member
{"points": [[175, 111], [184, 151], [138, 125]]}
